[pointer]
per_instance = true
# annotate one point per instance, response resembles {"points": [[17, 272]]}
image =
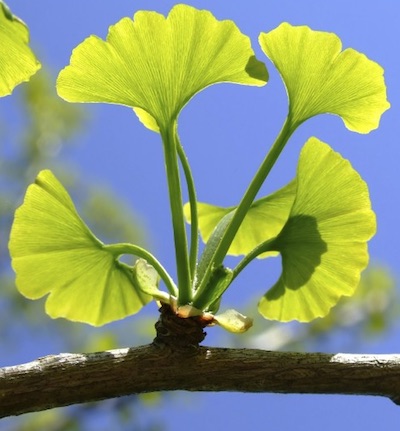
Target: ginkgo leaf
{"points": [[147, 279], [324, 242], [54, 252], [157, 64], [233, 321], [264, 220], [320, 78], [17, 62]]}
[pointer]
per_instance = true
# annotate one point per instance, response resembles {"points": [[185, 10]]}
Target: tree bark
{"points": [[175, 361], [60, 380]]}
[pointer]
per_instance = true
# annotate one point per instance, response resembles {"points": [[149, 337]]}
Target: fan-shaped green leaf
{"points": [[324, 242], [17, 61], [319, 78], [264, 220], [157, 64], [53, 252]]}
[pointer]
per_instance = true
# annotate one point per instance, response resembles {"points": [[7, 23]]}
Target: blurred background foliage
{"points": [[47, 125]]}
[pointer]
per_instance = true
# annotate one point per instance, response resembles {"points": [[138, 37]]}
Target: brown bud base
{"points": [[177, 332]]}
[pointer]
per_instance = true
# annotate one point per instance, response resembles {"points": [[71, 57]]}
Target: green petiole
{"points": [[222, 248], [126, 248], [262, 248], [194, 227], [171, 145]]}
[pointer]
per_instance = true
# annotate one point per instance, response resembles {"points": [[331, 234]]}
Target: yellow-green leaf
{"points": [[54, 252], [147, 279], [324, 242], [157, 64], [17, 62], [320, 78], [264, 220], [233, 321]]}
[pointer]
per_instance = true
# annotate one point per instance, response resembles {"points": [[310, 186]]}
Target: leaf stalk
{"points": [[171, 145], [132, 249], [240, 213]]}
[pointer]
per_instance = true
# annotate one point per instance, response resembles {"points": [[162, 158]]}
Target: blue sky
{"points": [[226, 131]]}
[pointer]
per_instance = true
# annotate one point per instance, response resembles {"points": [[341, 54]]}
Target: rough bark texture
{"points": [[60, 380]]}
